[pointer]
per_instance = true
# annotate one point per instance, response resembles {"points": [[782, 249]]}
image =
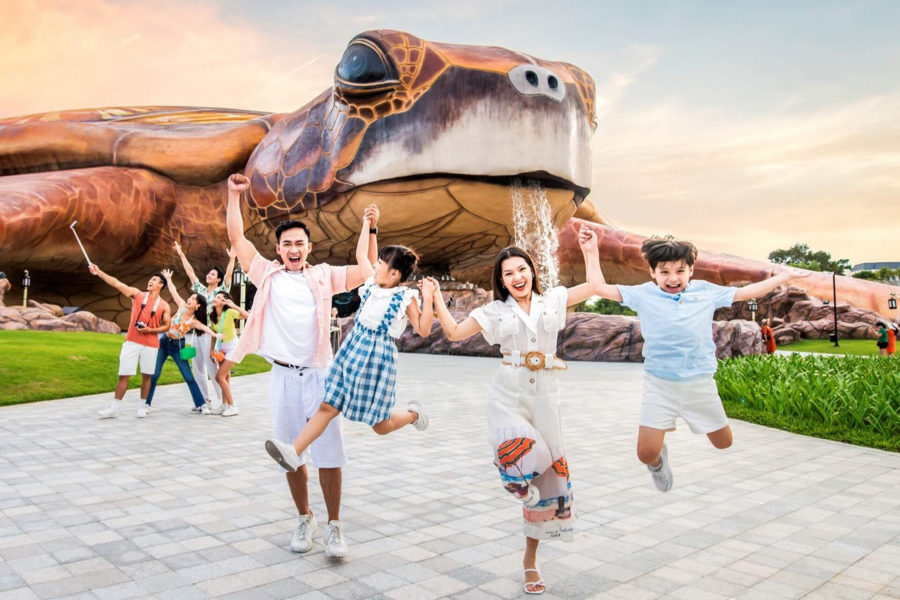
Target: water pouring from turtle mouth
{"points": [[533, 228]]}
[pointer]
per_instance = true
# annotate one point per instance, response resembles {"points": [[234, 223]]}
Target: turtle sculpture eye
{"points": [[361, 64]]}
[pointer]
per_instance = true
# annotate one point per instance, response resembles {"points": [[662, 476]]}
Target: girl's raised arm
{"points": [[179, 302], [421, 320], [453, 330]]}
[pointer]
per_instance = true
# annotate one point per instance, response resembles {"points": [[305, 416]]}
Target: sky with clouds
{"points": [[744, 126]]}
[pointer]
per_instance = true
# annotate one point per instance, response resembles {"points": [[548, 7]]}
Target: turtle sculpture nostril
{"points": [[535, 80]]}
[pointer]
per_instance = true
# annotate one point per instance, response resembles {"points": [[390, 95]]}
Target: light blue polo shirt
{"points": [[677, 328]]}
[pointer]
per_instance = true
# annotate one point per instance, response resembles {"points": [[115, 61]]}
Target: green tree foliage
{"points": [[602, 306], [883, 275], [800, 256]]}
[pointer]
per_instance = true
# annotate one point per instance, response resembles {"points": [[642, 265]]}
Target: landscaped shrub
{"points": [[839, 397]]}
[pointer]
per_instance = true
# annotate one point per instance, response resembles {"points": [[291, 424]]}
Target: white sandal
{"points": [[532, 584]]}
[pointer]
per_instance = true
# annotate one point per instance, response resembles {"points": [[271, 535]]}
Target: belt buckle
{"points": [[535, 361]]}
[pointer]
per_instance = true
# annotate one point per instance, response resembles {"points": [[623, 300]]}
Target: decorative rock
{"points": [[53, 325], [795, 314], [53, 309], [586, 337], [91, 322], [42, 317], [11, 315], [601, 338]]}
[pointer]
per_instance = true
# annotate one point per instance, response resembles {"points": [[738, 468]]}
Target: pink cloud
{"points": [[56, 54]]}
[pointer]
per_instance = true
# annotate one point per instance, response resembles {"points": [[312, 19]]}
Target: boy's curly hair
{"points": [[661, 249]]}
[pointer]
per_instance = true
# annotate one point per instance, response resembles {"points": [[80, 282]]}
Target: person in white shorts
{"points": [[679, 353], [289, 327], [149, 317]]}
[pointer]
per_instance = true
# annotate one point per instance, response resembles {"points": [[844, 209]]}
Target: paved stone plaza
{"points": [[179, 506]]}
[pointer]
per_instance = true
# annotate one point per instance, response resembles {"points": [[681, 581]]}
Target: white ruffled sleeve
{"points": [[401, 320]]}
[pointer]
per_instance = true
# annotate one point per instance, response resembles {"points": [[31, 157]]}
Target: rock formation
{"points": [[49, 317], [795, 315], [586, 337]]}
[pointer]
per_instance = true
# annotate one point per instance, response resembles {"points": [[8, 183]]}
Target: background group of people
{"points": [[155, 334]]}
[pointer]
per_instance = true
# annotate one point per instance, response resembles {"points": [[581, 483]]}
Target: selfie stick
{"points": [[72, 227]]}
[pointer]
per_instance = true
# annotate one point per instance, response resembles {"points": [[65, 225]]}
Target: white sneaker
{"points": [[421, 422], [219, 409], [111, 411], [143, 411], [662, 475], [204, 410], [302, 540], [284, 454], [335, 546], [230, 411]]}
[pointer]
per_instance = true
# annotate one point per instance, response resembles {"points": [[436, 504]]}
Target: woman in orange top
{"points": [[892, 340]]}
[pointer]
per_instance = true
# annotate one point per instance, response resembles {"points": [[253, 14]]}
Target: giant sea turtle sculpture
{"points": [[431, 132]]}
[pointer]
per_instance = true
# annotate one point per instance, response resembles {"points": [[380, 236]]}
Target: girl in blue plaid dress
{"points": [[362, 380]]}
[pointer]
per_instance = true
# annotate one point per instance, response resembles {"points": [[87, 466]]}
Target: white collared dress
{"points": [[524, 425]]}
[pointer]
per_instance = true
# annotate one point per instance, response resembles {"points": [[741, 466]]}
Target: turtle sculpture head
{"points": [[432, 133]]}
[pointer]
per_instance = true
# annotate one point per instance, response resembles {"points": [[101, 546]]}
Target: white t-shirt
{"points": [[291, 328], [379, 301]]}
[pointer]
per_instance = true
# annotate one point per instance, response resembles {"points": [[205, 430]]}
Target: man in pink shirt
{"points": [[289, 326]]}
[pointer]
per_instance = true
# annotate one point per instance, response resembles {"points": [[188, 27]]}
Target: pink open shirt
{"points": [[324, 282]]}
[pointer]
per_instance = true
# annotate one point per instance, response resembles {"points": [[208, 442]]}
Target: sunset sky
{"points": [[744, 126]]}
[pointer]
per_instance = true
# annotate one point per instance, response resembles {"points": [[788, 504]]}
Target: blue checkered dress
{"points": [[362, 381]]}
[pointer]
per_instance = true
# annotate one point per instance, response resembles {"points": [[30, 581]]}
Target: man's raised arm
{"points": [[246, 252], [124, 289]]}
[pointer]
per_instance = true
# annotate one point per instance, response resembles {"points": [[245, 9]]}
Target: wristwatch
{"points": [[373, 231]]}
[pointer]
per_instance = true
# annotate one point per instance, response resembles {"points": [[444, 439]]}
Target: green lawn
{"points": [[850, 399], [41, 365], [848, 347]]}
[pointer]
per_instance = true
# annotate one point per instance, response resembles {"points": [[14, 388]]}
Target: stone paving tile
{"points": [[183, 507]]}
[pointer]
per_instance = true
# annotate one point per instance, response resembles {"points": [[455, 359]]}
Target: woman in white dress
{"points": [[524, 402]]}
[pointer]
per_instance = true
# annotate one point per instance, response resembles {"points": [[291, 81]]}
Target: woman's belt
{"points": [[535, 361]]}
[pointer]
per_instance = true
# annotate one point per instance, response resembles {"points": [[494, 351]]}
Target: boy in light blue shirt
{"points": [[679, 353]]}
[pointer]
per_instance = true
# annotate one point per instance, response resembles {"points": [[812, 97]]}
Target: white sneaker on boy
{"points": [[421, 422], [143, 411], [662, 475]]}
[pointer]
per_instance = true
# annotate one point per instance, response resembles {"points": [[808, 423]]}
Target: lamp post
{"points": [[240, 278], [753, 306], [26, 283], [834, 336]]}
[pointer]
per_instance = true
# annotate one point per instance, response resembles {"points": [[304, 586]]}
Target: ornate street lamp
{"points": [[892, 302], [834, 336], [753, 306], [240, 278], [26, 283]]}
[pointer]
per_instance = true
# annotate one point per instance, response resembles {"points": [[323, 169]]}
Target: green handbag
{"points": [[188, 352]]}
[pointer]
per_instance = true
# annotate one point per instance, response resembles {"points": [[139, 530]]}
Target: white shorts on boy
{"points": [[294, 397], [133, 353], [695, 400]]}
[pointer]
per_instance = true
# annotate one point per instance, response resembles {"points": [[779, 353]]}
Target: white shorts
{"points": [[294, 397], [131, 354], [696, 401]]}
